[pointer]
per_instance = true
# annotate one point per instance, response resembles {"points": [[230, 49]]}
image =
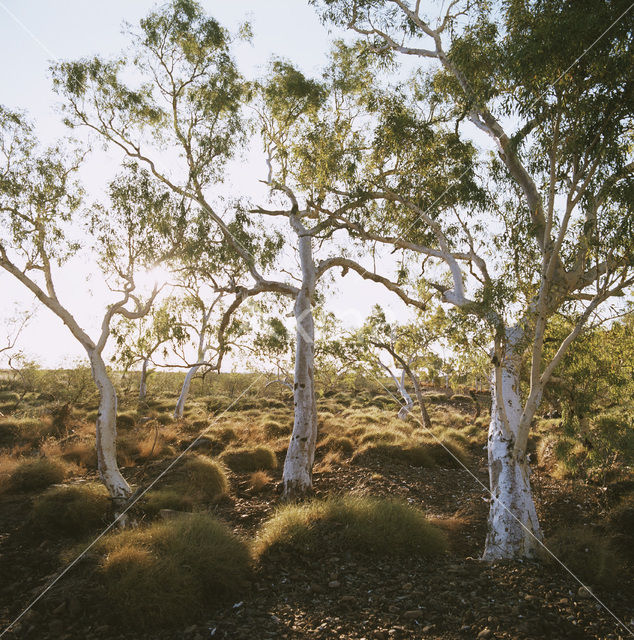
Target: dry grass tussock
{"points": [[35, 474], [258, 480], [350, 523], [589, 554], [198, 481], [247, 459], [71, 510], [171, 572]]}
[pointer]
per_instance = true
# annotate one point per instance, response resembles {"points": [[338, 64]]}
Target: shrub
{"points": [[351, 523], [248, 459], [33, 475], [9, 396], [171, 572], [71, 510]]}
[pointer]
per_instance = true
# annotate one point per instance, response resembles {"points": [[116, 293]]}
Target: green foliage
{"points": [[595, 372], [350, 523], [170, 573]]}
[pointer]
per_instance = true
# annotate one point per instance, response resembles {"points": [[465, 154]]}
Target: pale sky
{"points": [[34, 32]]}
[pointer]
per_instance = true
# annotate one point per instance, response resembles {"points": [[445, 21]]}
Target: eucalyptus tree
{"points": [[202, 314], [558, 232], [297, 116], [409, 345], [176, 100], [139, 340], [41, 211]]}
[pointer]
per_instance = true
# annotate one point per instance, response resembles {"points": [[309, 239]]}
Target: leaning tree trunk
{"points": [[513, 527], [182, 398], [143, 383], [106, 433]]}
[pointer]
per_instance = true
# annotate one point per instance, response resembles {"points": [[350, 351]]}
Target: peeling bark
{"points": [[513, 528]]}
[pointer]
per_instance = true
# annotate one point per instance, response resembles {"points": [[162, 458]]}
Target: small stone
{"points": [[334, 584], [584, 593], [414, 614], [428, 627], [485, 633]]}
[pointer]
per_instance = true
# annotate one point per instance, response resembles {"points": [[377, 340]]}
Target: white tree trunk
{"points": [[297, 477], [409, 403], [513, 528], [143, 383], [106, 433], [298, 466], [182, 399]]}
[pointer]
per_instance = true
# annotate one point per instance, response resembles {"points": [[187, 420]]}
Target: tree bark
{"points": [[297, 477], [409, 403], [143, 383], [513, 528], [182, 398], [106, 433]]}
